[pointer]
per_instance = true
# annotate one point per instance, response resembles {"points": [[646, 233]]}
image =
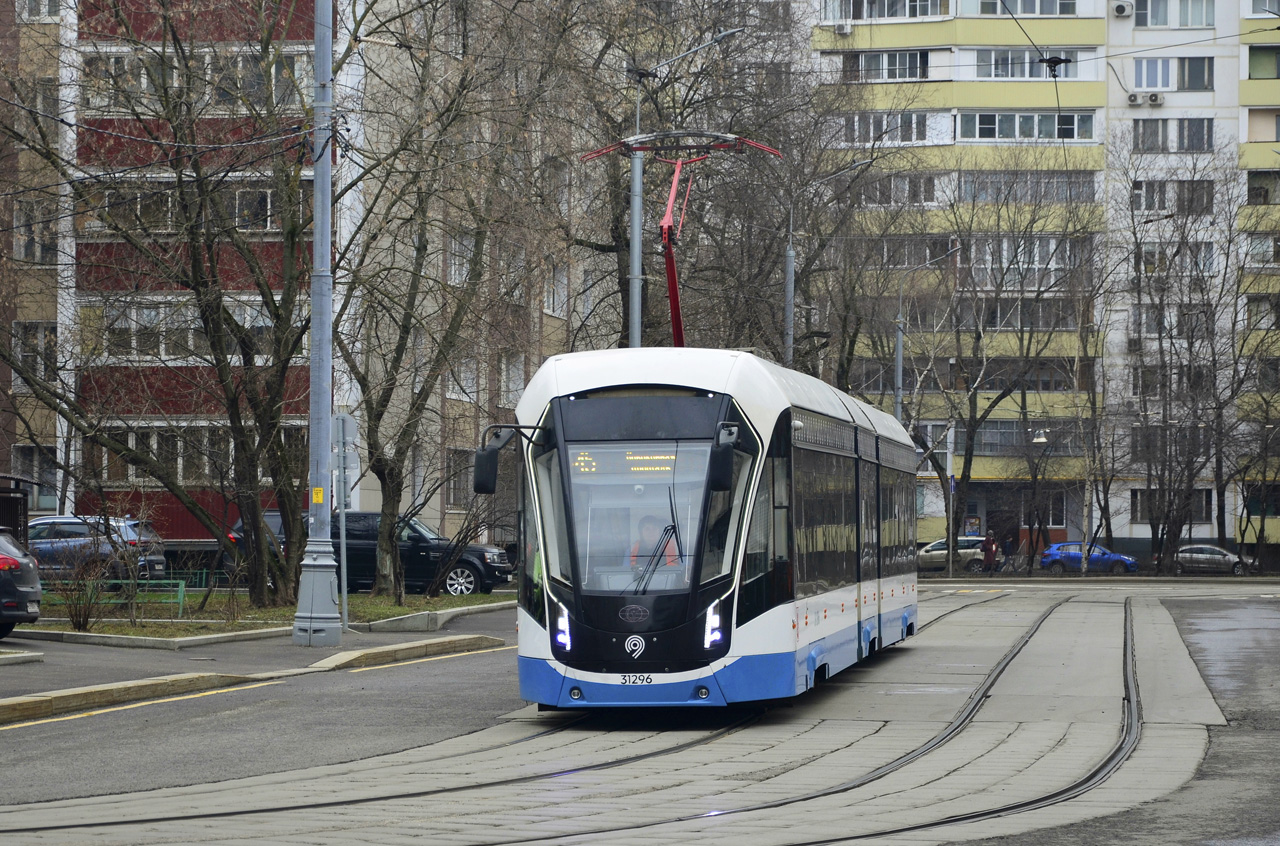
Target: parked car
{"points": [[274, 524], [19, 584], [65, 542], [933, 558], [1207, 558], [1061, 557], [479, 569]]}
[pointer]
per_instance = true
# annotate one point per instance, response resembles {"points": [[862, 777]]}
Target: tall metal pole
{"points": [[317, 622], [789, 300], [637, 218], [897, 358]]}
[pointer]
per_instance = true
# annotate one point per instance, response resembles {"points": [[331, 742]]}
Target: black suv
{"points": [[479, 569]]}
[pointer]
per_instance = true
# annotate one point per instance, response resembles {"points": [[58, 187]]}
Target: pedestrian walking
{"points": [[989, 547]]}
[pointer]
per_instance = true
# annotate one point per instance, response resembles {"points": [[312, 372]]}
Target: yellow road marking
{"points": [[432, 658], [136, 705]]}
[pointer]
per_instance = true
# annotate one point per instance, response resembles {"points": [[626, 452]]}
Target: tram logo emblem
{"points": [[634, 646], [633, 613]]}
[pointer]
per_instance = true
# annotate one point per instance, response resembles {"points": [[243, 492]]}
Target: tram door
{"points": [[869, 555]]}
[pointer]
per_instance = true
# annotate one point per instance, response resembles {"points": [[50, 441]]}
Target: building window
{"points": [[1049, 186], [1149, 195], [1146, 319], [36, 345], [1266, 7], [1025, 64], [36, 11], [1151, 13], [1052, 510], [1195, 74], [860, 10], [1195, 13], [886, 128], [1263, 248], [196, 454], [913, 189], [39, 463], [241, 80], [511, 379], [1195, 135], [1263, 187], [873, 67], [1026, 126], [555, 298], [1150, 135], [1195, 196], [464, 381], [1021, 7], [1263, 311], [457, 490], [462, 248], [1152, 74], [35, 237], [1145, 505], [1146, 381]]}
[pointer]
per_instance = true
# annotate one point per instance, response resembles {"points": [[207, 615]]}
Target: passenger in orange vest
{"points": [[650, 528]]}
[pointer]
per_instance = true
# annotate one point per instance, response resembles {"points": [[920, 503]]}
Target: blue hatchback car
{"points": [[1062, 557]]}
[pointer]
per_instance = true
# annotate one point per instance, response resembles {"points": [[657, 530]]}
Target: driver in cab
{"points": [[650, 530]]}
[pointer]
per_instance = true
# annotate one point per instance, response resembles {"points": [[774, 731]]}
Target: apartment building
{"points": [[159, 271], [1094, 354]]}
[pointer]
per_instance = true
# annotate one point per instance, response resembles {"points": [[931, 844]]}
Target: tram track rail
{"points": [[962, 719]]}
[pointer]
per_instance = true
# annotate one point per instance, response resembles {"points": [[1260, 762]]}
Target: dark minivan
{"points": [[479, 569]]}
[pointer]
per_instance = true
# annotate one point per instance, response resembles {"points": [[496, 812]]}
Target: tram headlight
{"points": [[562, 629], [711, 635]]}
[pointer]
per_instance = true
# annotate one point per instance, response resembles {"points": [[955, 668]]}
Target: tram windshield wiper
{"points": [[642, 579]]}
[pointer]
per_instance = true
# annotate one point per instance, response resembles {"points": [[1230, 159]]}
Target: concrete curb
{"points": [[429, 621], [42, 705], [20, 657], [131, 642], [453, 644]]}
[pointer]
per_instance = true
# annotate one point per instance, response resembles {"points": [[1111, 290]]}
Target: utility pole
{"points": [[317, 622]]}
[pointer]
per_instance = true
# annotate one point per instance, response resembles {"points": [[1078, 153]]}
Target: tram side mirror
{"points": [[720, 473], [484, 474]]}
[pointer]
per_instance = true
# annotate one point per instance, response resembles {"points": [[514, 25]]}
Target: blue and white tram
{"points": [[702, 527]]}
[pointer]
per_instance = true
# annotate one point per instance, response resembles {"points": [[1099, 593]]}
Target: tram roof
{"points": [[762, 388]]}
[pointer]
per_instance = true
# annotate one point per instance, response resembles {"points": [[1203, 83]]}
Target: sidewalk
{"points": [[61, 676]]}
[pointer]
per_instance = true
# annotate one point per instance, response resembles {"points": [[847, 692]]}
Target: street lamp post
{"points": [[636, 272], [317, 622], [789, 269], [898, 323]]}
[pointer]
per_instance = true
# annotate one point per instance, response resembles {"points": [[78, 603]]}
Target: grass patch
{"points": [[220, 615]]}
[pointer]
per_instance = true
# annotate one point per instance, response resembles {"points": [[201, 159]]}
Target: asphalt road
{"points": [[298, 722]]}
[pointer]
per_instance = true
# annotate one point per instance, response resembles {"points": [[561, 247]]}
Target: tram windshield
{"points": [[636, 513]]}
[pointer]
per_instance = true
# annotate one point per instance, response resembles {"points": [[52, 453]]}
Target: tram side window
{"points": [[547, 468], [824, 491], [529, 568], [766, 568], [724, 519], [869, 520]]}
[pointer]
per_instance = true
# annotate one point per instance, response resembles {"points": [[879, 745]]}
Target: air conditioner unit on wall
{"points": [[1136, 99], [1155, 99], [843, 28], [1122, 8]]}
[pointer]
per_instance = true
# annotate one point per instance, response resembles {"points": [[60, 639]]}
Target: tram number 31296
{"points": [[632, 678]]}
